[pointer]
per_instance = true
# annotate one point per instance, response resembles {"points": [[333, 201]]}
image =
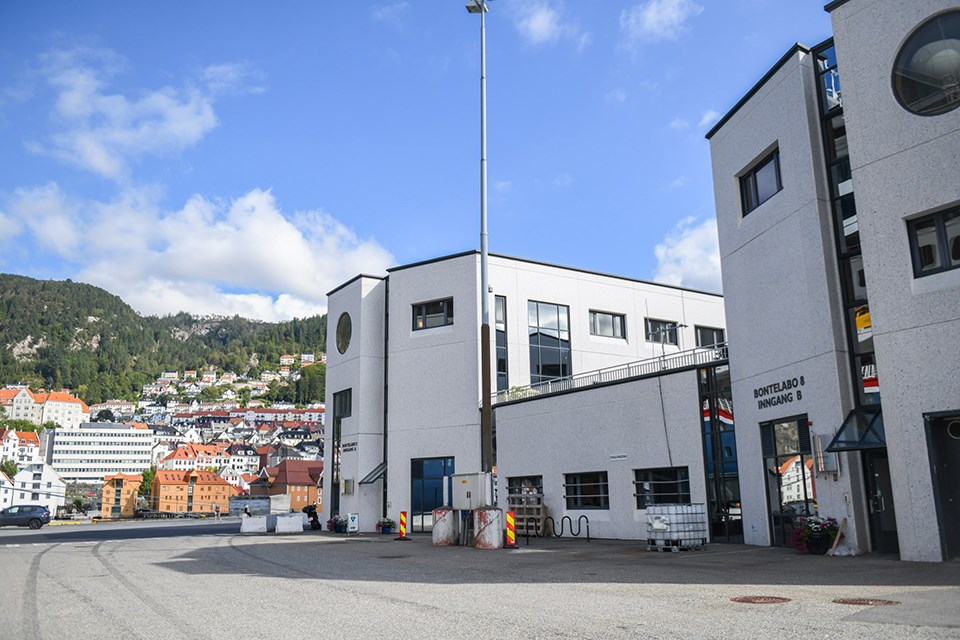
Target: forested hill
{"points": [[57, 334]]}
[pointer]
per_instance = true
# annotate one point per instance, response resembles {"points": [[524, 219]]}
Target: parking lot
{"points": [[201, 580]]}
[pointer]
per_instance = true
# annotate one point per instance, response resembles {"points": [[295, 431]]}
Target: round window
{"points": [[926, 74], [344, 330]]}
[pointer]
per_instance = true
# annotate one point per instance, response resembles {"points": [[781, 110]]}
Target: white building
{"points": [[58, 407], [6, 491], [837, 184], [406, 369], [88, 452], [21, 447], [39, 483]]}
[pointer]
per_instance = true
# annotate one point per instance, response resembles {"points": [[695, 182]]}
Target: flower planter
{"points": [[386, 530], [819, 543]]}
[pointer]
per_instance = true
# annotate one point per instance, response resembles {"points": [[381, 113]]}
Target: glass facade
{"points": [[342, 408], [500, 314], [549, 331], [426, 489], [791, 488], [720, 454]]}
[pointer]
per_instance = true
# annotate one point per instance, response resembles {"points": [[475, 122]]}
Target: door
{"points": [[883, 518], [426, 490], [944, 437]]}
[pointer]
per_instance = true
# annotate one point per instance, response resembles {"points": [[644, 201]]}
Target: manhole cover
{"points": [[866, 602], [760, 599]]}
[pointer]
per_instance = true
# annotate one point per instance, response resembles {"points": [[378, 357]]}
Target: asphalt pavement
{"points": [[202, 580]]}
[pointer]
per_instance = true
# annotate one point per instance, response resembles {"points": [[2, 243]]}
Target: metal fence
{"points": [[692, 358]]}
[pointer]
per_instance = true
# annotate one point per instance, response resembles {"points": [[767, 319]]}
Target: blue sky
{"points": [[246, 157]]}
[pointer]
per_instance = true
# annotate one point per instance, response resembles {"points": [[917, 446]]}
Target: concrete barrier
{"points": [[253, 524], [292, 523]]}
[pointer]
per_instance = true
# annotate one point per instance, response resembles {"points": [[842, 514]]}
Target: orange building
{"points": [[119, 496], [300, 479], [191, 491]]}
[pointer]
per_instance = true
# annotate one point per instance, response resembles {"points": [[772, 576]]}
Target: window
{"points": [[926, 73], [549, 330], [761, 183], [501, 328], [661, 331], [525, 485], [428, 315], [662, 486], [709, 336], [608, 324], [587, 490], [935, 242]]}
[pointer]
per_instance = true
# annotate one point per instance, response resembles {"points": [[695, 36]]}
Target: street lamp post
{"points": [[486, 423]]}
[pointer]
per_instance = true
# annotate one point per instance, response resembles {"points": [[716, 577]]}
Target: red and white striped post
{"points": [[403, 527], [511, 531]]}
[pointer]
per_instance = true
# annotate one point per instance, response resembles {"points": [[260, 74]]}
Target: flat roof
{"points": [[833, 5], [352, 280]]}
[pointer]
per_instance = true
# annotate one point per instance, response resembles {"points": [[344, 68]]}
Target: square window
{"points": [[935, 242], [587, 490], [670, 485], [661, 331], [761, 183], [612, 325], [709, 336], [438, 313]]}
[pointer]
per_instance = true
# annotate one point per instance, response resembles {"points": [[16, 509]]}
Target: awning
{"points": [[863, 429], [376, 474]]}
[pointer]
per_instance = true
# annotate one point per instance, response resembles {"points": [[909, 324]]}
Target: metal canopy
{"points": [[862, 429], [376, 474]]}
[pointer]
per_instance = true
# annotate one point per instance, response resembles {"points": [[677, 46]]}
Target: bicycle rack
{"points": [[553, 527]]}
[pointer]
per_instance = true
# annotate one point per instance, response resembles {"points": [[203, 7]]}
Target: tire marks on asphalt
{"points": [[31, 616]]}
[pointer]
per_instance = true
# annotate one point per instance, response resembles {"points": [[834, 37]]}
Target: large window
{"points": [[587, 490], [927, 69], [438, 313], [426, 489], [709, 336], [549, 330], [669, 485], [342, 408], [791, 488], [935, 242], [612, 325], [661, 331], [761, 183], [503, 382]]}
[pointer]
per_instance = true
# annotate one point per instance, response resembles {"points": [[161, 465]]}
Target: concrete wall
{"points": [[781, 286], [590, 431], [904, 166]]}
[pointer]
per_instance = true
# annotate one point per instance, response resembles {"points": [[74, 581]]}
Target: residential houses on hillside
{"points": [[59, 407]]}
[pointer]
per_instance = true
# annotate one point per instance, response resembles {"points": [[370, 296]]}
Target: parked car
{"points": [[29, 515]]}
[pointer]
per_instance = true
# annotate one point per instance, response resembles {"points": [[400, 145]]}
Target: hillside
{"points": [[67, 334]]}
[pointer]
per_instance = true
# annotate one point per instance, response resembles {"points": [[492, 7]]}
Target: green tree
{"points": [[17, 424], [209, 394], [9, 468], [147, 485], [104, 415], [312, 383]]}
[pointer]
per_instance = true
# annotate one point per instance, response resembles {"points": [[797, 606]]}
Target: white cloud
{"points": [[541, 22], [246, 256], [392, 13], [657, 20], [709, 117], [682, 181], [679, 124], [618, 96], [102, 131], [502, 185], [689, 256]]}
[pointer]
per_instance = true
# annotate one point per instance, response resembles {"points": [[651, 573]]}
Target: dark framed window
{"points": [[761, 183], [519, 485], [661, 331], [500, 317], [926, 72], [588, 490], [549, 331], [709, 336], [788, 458], [437, 313], [668, 485], [935, 242], [342, 408], [612, 325]]}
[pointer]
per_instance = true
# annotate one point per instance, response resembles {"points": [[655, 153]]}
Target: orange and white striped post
{"points": [[511, 531], [403, 527]]}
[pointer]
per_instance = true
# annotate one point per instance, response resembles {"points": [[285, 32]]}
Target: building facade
{"points": [[837, 185], [403, 384], [20, 447], [58, 407], [119, 495], [94, 449], [39, 483], [191, 492]]}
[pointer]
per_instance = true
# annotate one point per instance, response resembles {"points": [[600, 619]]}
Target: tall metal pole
{"points": [[486, 423]]}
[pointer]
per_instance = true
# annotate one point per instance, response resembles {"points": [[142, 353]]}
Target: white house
{"points": [[39, 483], [21, 447]]}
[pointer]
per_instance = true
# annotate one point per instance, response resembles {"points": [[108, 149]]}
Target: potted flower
{"points": [[331, 523], [385, 525], [340, 523], [815, 534]]}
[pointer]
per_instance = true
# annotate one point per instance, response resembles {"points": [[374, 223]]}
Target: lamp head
{"points": [[477, 6]]}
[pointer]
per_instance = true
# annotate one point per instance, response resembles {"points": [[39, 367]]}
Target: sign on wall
{"points": [[779, 393]]}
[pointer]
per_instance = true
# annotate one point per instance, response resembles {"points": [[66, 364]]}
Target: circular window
{"points": [[926, 74], [344, 330]]}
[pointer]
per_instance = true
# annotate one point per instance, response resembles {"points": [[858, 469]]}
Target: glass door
{"points": [[791, 488], [426, 490], [883, 518]]}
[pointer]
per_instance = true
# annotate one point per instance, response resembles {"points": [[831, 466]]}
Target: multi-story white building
{"points": [[837, 184], [94, 449], [39, 483], [58, 407], [404, 381], [20, 447]]}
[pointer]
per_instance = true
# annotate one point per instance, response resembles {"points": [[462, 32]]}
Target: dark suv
{"points": [[27, 515]]}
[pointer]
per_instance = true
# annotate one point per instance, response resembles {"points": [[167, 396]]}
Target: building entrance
{"points": [[426, 490], [791, 488], [883, 519], [943, 437]]}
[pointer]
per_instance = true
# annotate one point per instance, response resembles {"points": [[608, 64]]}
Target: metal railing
{"points": [[690, 358]]}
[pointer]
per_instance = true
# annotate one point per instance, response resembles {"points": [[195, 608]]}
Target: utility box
{"points": [[472, 491]]}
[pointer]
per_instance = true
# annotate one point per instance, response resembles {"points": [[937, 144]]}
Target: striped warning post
{"points": [[403, 527], [511, 531]]}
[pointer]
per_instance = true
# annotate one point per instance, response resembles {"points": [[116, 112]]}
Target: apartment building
{"points": [[90, 451], [58, 407], [119, 495], [837, 185], [404, 382], [191, 492], [21, 447], [39, 483]]}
